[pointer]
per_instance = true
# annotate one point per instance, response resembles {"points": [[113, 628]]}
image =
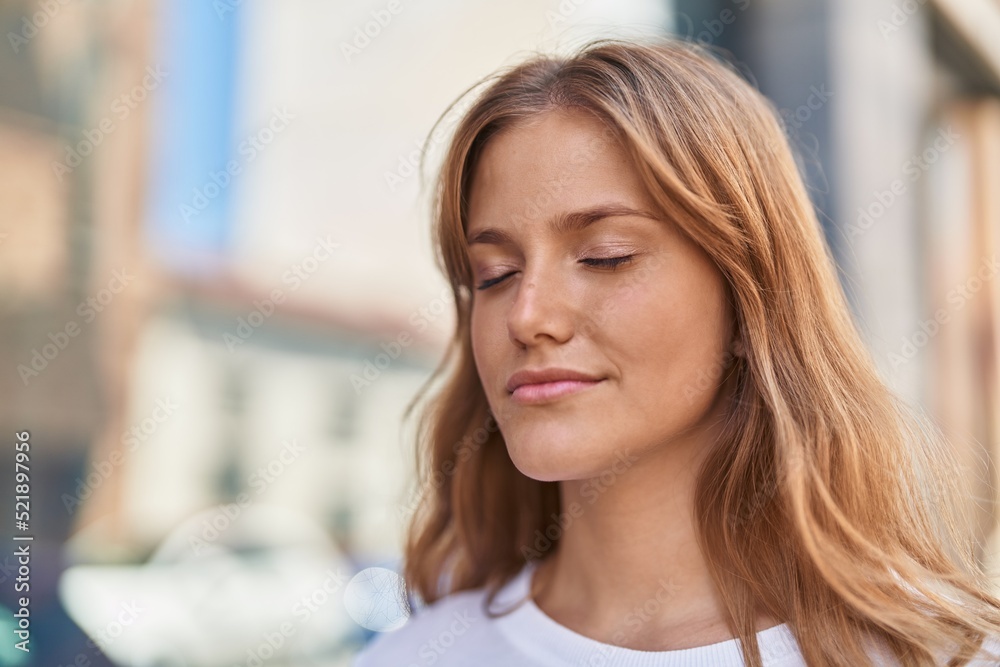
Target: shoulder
{"points": [[453, 624]]}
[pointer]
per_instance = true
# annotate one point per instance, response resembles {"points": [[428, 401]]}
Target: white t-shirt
{"points": [[455, 631]]}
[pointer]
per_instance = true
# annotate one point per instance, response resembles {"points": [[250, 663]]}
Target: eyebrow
{"points": [[564, 223]]}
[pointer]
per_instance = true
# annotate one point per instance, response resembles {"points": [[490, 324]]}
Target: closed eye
{"points": [[608, 262], [599, 262], [486, 284]]}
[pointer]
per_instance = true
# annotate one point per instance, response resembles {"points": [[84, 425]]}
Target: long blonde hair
{"points": [[827, 503]]}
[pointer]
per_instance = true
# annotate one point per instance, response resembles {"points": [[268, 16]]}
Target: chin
{"points": [[549, 458]]}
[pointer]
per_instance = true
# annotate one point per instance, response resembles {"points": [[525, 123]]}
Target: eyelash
{"points": [[600, 262]]}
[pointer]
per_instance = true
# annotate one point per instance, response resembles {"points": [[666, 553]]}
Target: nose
{"points": [[541, 310]]}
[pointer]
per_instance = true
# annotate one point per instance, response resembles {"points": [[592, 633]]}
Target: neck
{"points": [[628, 569]]}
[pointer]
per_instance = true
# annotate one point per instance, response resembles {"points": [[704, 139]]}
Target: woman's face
{"points": [[554, 206]]}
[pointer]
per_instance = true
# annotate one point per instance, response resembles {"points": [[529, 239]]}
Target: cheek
{"points": [[476, 336], [485, 344], [669, 337]]}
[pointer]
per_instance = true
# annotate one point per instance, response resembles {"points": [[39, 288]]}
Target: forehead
{"points": [[556, 161]]}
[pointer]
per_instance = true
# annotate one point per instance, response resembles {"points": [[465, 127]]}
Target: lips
{"points": [[546, 392], [549, 375]]}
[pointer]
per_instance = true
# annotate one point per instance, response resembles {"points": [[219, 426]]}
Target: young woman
{"points": [[660, 439]]}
